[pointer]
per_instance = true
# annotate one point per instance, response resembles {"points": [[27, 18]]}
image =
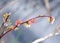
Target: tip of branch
{"points": [[51, 19]]}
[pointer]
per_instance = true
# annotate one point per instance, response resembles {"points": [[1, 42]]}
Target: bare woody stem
{"points": [[47, 6], [21, 24]]}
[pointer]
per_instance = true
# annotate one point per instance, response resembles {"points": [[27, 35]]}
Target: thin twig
{"points": [[21, 24], [54, 33], [47, 6]]}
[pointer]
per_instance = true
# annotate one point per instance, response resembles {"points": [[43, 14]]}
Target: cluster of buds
{"points": [[6, 18], [27, 23], [19, 22]]}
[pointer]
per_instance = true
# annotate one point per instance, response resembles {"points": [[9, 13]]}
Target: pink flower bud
{"points": [[18, 22]]}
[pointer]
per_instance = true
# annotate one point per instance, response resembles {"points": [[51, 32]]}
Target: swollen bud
{"points": [[6, 15], [18, 22], [27, 24], [51, 19], [32, 20], [11, 27]]}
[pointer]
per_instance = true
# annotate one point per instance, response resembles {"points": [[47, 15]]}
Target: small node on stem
{"points": [[11, 27], [16, 29], [27, 24], [32, 20], [18, 22]]}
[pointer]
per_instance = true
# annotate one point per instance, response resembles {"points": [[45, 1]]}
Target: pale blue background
{"points": [[26, 9]]}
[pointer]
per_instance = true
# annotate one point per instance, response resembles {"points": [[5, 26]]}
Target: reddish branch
{"points": [[20, 24]]}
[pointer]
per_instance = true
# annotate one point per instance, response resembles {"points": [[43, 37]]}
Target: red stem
{"points": [[21, 24]]}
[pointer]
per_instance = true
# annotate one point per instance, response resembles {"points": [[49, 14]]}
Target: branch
{"points": [[20, 24], [54, 33], [47, 6]]}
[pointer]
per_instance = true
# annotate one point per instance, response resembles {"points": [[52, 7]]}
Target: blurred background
{"points": [[27, 9]]}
